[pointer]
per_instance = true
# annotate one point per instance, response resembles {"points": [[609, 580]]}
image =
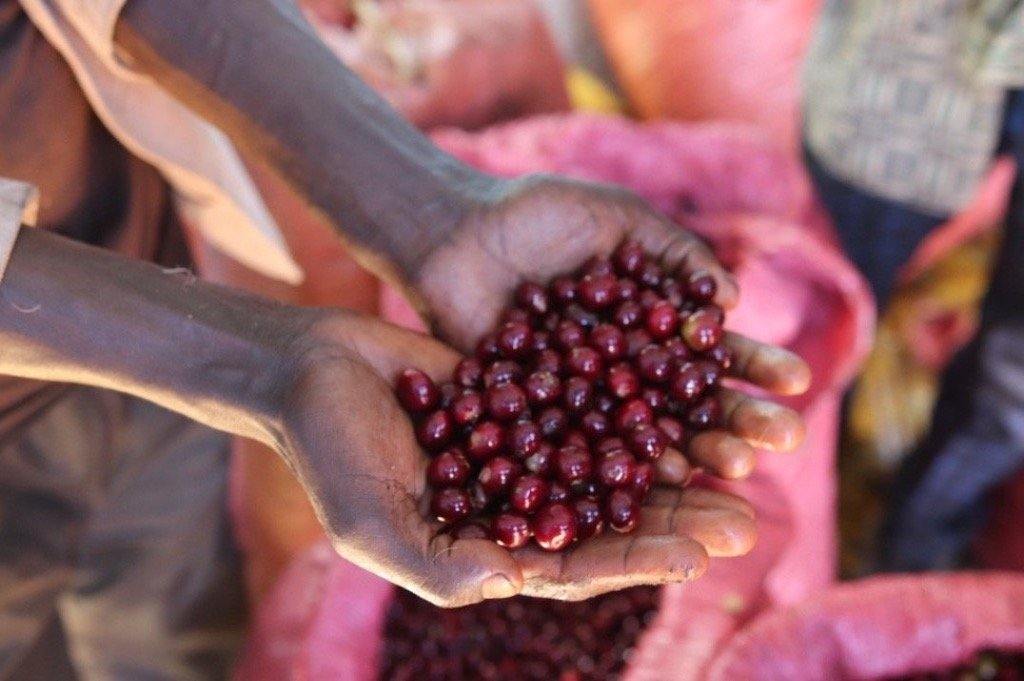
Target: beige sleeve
{"points": [[19, 205]]}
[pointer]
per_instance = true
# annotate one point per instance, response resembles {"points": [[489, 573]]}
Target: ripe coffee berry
{"points": [[548, 434]]}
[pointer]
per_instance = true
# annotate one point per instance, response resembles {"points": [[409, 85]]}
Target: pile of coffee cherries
{"points": [[518, 638], [550, 431], [986, 666]]}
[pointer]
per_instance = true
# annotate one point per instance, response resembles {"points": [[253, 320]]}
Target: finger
{"points": [[701, 497], [612, 562], [770, 367], [672, 468], [723, 455], [457, 572], [763, 424], [389, 349], [723, 532], [684, 253]]}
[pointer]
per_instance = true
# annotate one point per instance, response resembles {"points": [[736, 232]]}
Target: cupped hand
{"points": [[539, 227], [354, 451]]}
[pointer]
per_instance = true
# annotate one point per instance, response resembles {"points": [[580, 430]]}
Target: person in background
{"points": [[906, 106], [124, 373]]}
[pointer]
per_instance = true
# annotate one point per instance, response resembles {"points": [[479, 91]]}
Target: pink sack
{"points": [[880, 628], [746, 197], [700, 60]]}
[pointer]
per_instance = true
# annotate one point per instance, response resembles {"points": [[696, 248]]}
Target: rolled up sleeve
{"points": [[19, 204]]}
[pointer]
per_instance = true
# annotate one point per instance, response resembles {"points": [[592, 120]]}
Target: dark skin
{"points": [[315, 385]]}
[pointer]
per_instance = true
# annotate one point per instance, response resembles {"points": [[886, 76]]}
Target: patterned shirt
{"points": [[904, 98]]}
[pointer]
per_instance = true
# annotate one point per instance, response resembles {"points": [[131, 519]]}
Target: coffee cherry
{"points": [[523, 438], [501, 372], [510, 530], [515, 339], [646, 441], [687, 382], [563, 290], [487, 439], [662, 320], [513, 316], [622, 381], [548, 361], [505, 402], [497, 474], [609, 341], [636, 341], [532, 297], [656, 399], [616, 469], [416, 391], [609, 444], [542, 460], [572, 463], [449, 505], [654, 364], [552, 422], [542, 388], [554, 527], [621, 511], [628, 315], [589, 519], [467, 408], [598, 291], [585, 362], [628, 290], [577, 395], [448, 469], [705, 414], [595, 425], [650, 274], [721, 355], [631, 414], [643, 478], [702, 287], [558, 493], [702, 331], [434, 431], [569, 334], [529, 492], [672, 429], [629, 257], [487, 348]]}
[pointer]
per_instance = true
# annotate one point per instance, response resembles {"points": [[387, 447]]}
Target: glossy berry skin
{"points": [[621, 511], [595, 425], [552, 422], [542, 388], [449, 504], [702, 331], [643, 478], [558, 493], [616, 469], [636, 341], [672, 429], [575, 438], [677, 348], [721, 355], [434, 431], [654, 364], [646, 442], [609, 341], [496, 476], [586, 319], [605, 404], [569, 334], [598, 291], [529, 492], [416, 391], [487, 348], [590, 489], [510, 530], [650, 274], [467, 408], [631, 414], [515, 339], [572, 463], [628, 290], [448, 469], [622, 381], [577, 395], [702, 287], [672, 291], [523, 438], [585, 362], [656, 398], [629, 257], [542, 460], [710, 371], [597, 266], [589, 519], [501, 372], [532, 297], [505, 402], [687, 382], [662, 321], [628, 315], [705, 414], [563, 290], [448, 392], [548, 361], [487, 439], [514, 315], [554, 527]]}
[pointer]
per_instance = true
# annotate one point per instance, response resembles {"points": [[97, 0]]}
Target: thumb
{"points": [[465, 571]]}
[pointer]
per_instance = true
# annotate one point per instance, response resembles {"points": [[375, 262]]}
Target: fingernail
{"points": [[498, 586]]}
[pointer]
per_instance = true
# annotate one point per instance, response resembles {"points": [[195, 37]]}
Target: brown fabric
{"points": [[91, 188]]}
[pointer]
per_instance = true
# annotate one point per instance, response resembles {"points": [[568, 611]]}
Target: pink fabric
{"points": [[752, 201], [879, 628]]}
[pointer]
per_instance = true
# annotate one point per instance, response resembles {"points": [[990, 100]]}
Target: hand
{"points": [[354, 451], [539, 227]]}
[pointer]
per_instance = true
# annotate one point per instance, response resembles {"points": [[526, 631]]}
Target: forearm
{"points": [[73, 313], [258, 71]]}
